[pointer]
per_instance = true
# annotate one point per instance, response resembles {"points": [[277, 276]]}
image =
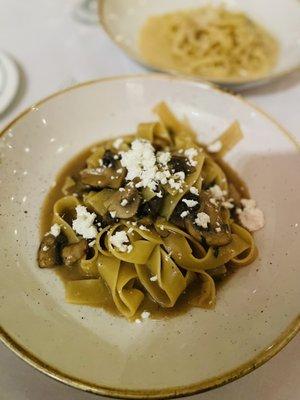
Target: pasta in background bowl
{"points": [[240, 44], [256, 311]]}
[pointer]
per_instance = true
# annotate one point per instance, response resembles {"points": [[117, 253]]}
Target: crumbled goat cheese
{"points": [[202, 219], [117, 143], [124, 202], [137, 321], [216, 192], [145, 315], [119, 240], [215, 147], [190, 203], [55, 230], [250, 216], [159, 194], [91, 244], [45, 248], [140, 162], [143, 228], [190, 154], [218, 229], [177, 181], [213, 201], [130, 230], [228, 203], [194, 190], [122, 189], [83, 224], [153, 278], [119, 171], [163, 157], [184, 214], [113, 214]]}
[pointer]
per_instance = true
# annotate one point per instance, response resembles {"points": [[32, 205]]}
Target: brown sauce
{"points": [[186, 301]]}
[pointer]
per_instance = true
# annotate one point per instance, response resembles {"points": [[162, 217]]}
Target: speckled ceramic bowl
{"points": [[123, 20], [257, 309]]}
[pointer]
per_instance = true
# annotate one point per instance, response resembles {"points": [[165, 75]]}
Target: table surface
{"points": [[53, 51]]}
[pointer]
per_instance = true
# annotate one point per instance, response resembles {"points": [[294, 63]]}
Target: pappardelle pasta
{"points": [[151, 217], [212, 42]]}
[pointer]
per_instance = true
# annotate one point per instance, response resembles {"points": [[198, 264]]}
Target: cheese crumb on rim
{"points": [[83, 224], [251, 217], [145, 315], [153, 278], [202, 220]]}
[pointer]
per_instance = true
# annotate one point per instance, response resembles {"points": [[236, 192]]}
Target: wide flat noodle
{"points": [[120, 278], [63, 214]]}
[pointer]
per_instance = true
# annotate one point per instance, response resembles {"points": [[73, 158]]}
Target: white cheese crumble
{"points": [[216, 192], [119, 240], [143, 228], [163, 157], [55, 230], [122, 189], [215, 147], [228, 203], [113, 214], [119, 171], [218, 229], [137, 321], [117, 143], [140, 162], [194, 190], [83, 224], [202, 219], [190, 203], [177, 181], [213, 201], [153, 278], [251, 217], [124, 202], [45, 248], [145, 315], [159, 194], [184, 214], [190, 154]]}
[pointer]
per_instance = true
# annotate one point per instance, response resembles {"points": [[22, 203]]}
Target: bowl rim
{"points": [[234, 82], [173, 392]]}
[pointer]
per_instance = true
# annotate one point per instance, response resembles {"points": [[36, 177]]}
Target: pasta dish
{"points": [[211, 42], [152, 217]]}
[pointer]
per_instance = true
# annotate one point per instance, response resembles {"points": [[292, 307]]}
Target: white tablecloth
{"points": [[55, 51]]}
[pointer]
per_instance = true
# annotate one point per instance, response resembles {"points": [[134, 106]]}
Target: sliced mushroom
{"points": [[124, 204], [218, 232], [110, 174], [182, 207], [49, 252], [150, 208], [180, 163], [73, 186], [74, 252]]}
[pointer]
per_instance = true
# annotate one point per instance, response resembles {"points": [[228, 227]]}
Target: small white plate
{"points": [[257, 309], [123, 20], [9, 81]]}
